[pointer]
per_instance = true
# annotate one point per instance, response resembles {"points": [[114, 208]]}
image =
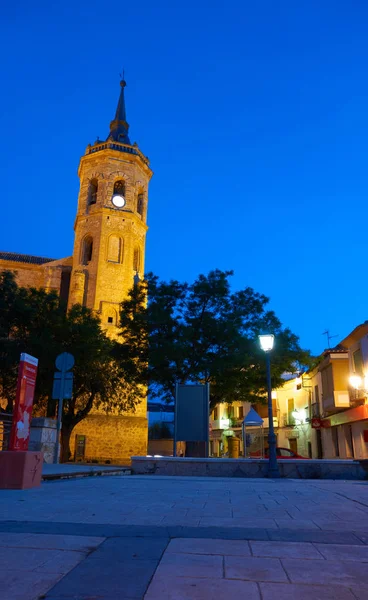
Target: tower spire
{"points": [[119, 127]]}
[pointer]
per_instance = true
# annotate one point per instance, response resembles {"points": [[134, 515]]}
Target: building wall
{"points": [[112, 438]]}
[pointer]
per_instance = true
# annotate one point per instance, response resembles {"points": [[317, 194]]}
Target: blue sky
{"points": [[254, 116]]}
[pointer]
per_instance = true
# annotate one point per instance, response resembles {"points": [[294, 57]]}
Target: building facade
{"points": [[322, 413], [109, 250]]}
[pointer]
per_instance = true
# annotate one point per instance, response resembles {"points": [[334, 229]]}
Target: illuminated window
{"points": [[92, 191], [119, 187], [87, 250], [140, 202], [136, 260]]}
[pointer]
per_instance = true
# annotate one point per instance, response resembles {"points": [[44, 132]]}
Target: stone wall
{"points": [[112, 438], [225, 467], [43, 437]]}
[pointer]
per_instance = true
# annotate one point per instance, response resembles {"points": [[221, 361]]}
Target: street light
{"points": [[266, 342], [355, 381]]}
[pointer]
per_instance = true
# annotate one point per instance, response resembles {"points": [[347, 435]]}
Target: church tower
{"points": [[110, 227]]}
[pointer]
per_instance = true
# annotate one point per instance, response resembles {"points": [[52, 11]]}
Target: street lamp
{"points": [[360, 384], [355, 382], [266, 342]]}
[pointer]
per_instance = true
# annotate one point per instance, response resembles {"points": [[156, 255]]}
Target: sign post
{"points": [[21, 427], [21, 468], [62, 390]]}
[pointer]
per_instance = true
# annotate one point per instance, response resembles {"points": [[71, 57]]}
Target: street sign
{"points": [[64, 362], [62, 390], [67, 390]]}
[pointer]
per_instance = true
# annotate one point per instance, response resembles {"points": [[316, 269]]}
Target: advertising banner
{"points": [[22, 414]]}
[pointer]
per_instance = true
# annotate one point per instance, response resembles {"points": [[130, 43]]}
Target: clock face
{"points": [[118, 200]]}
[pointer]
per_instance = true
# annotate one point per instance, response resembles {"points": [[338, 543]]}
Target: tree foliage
{"points": [[32, 321], [203, 332]]}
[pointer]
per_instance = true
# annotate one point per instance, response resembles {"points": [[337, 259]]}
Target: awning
{"points": [[253, 419]]}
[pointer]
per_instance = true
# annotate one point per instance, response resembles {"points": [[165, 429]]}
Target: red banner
{"points": [[316, 423], [22, 414]]}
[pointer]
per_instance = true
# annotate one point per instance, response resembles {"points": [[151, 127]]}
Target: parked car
{"points": [[280, 452]]}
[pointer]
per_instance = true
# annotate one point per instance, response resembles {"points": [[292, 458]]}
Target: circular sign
{"points": [[64, 362]]}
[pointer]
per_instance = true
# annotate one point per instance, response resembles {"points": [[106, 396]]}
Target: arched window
{"points": [[136, 260], [87, 250], [115, 249], [140, 202], [119, 187], [92, 191]]}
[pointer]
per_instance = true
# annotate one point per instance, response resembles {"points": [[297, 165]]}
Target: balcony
{"points": [[112, 145], [356, 397]]}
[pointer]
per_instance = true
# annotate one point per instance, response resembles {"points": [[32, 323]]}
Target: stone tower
{"points": [[110, 227]]}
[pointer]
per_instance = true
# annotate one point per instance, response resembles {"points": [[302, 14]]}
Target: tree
{"points": [[203, 332], [33, 321]]}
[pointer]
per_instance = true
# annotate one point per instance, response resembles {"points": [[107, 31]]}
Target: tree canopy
{"points": [[33, 321], [203, 332]]}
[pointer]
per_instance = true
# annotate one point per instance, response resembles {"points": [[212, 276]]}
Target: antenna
{"points": [[122, 75], [329, 337]]}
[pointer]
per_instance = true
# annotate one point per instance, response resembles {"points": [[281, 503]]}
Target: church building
{"points": [[108, 254]]}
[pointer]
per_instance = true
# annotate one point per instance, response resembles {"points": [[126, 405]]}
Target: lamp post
{"points": [[266, 342], [360, 384]]}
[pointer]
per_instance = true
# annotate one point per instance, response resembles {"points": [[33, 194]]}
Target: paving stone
{"points": [[225, 533], [130, 577], [295, 524], [185, 588], [122, 549], [286, 550], [359, 593], [238, 522], [322, 537], [190, 565], [61, 562], [254, 569], [338, 525], [283, 591], [24, 559], [209, 546], [25, 586], [341, 552], [336, 572], [52, 542]]}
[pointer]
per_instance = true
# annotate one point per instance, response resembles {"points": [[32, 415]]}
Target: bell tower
{"points": [[110, 226]]}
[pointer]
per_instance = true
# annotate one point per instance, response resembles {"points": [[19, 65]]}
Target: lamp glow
{"points": [[355, 381], [266, 342], [300, 415]]}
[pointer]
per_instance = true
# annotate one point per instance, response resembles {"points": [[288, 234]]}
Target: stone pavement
{"points": [[163, 538]]}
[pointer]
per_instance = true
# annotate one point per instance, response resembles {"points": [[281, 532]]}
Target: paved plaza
{"points": [[162, 538]]}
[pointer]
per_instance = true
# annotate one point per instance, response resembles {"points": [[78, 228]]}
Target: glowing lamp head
{"points": [[266, 342], [355, 381]]}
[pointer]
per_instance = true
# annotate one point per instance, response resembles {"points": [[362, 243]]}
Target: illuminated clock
{"points": [[118, 200]]}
